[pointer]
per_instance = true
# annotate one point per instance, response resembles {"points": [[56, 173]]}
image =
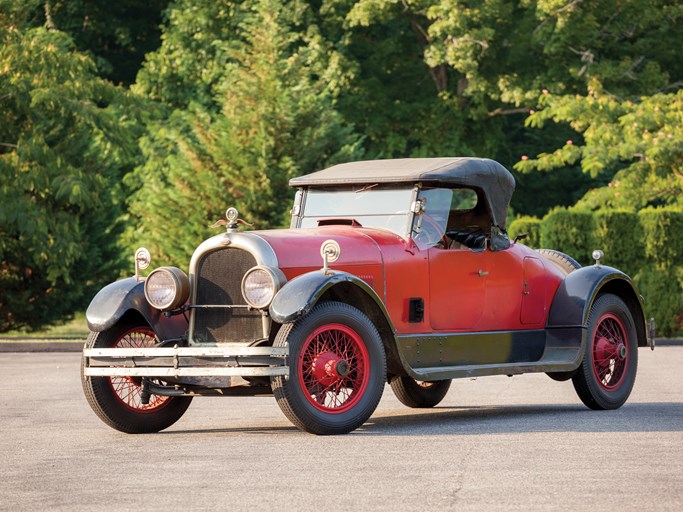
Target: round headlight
{"points": [[167, 288], [260, 284]]}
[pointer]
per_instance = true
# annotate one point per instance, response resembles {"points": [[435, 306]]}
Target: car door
{"points": [[457, 288]]}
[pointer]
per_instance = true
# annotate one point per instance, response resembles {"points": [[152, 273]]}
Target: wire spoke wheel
{"points": [[333, 368], [608, 371], [117, 401], [129, 389], [337, 369], [610, 353]]}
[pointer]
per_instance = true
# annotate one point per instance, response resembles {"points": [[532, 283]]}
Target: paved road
{"points": [[495, 443]]}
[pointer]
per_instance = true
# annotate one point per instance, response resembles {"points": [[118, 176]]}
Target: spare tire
{"points": [[563, 261]]}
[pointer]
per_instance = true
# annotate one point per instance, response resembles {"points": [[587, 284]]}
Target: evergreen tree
{"points": [[276, 120], [66, 140]]}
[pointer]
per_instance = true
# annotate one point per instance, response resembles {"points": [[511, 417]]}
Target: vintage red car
{"points": [[395, 271]]}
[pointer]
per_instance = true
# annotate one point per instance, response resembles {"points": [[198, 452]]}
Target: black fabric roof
{"points": [[483, 173]]}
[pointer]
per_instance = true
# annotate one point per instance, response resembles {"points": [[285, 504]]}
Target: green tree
{"points": [[486, 62], [636, 145], [198, 39], [276, 120], [117, 35], [66, 139]]}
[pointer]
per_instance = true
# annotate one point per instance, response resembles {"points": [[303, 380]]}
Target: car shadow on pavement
{"points": [[635, 417], [484, 420]]}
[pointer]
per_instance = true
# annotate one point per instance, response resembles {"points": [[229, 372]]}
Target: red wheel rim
{"points": [[128, 389], [334, 368], [610, 352]]}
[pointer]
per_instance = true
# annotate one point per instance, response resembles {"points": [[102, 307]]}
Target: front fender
{"points": [[118, 298], [574, 298], [300, 295]]}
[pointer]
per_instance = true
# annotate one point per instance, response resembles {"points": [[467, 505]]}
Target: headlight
{"points": [[167, 288], [260, 284]]}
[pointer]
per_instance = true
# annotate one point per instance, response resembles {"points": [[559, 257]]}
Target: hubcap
{"points": [[610, 352], [333, 368]]}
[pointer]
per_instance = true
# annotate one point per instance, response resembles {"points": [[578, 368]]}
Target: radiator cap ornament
{"points": [[232, 222]]}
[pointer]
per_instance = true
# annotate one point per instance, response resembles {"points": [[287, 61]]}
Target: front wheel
{"points": [[336, 369], [419, 394], [117, 401], [608, 371]]}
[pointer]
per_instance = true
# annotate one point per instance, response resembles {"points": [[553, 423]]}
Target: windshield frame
{"points": [[299, 214]]}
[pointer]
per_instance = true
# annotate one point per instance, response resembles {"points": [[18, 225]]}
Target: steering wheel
{"points": [[430, 232]]}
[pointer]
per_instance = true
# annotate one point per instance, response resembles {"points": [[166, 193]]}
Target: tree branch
{"points": [[509, 111], [568, 6], [49, 22]]}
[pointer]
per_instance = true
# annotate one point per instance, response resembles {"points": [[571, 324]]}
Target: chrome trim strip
{"points": [[261, 250], [265, 371], [221, 351]]}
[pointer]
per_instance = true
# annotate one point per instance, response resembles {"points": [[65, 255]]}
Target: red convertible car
{"points": [[395, 271]]}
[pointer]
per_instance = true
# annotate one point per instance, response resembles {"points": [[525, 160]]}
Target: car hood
{"points": [[300, 248]]}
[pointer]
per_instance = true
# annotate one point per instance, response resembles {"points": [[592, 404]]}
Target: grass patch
{"points": [[74, 330]]}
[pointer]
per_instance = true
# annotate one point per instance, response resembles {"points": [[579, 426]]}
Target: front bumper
{"points": [[235, 360]]}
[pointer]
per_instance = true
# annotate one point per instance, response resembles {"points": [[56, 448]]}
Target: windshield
{"points": [[430, 226], [370, 206]]}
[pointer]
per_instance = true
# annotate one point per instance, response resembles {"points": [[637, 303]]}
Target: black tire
{"points": [[565, 262], [337, 369], [419, 395], [608, 370], [122, 409]]}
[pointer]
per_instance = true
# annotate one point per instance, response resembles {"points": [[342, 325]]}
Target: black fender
{"points": [[118, 298], [575, 296], [301, 294]]}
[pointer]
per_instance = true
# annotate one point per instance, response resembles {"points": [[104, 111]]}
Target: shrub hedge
{"points": [[620, 236], [647, 246], [569, 231], [529, 225], [663, 230]]}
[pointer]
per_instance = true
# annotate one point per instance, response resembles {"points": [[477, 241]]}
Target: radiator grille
{"points": [[219, 277]]}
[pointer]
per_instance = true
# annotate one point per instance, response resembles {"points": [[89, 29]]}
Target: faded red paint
{"points": [[463, 290]]}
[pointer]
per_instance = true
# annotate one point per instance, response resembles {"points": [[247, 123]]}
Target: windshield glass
{"points": [[371, 206], [430, 227]]}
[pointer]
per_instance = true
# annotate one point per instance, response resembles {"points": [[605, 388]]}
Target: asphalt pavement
{"points": [[495, 443]]}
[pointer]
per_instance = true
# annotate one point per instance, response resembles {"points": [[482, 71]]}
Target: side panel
{"points": [[459, 355], [457, 288], [533, 296], [114, 300]]}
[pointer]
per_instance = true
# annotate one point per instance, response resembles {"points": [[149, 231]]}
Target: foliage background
{"points": [[133, 123]]}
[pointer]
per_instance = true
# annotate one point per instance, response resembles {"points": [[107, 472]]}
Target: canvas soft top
{"points": [[488, 175]]}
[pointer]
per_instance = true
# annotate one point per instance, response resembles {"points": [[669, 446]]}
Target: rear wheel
{"points": [[608, 371], [417, 394], [118, 400], [336, 369]]}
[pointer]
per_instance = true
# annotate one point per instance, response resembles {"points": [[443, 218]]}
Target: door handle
{"points": [[482, 273]]}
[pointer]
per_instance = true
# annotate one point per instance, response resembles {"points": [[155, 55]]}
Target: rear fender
{"points": [[575, 296], [121, 297]]}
